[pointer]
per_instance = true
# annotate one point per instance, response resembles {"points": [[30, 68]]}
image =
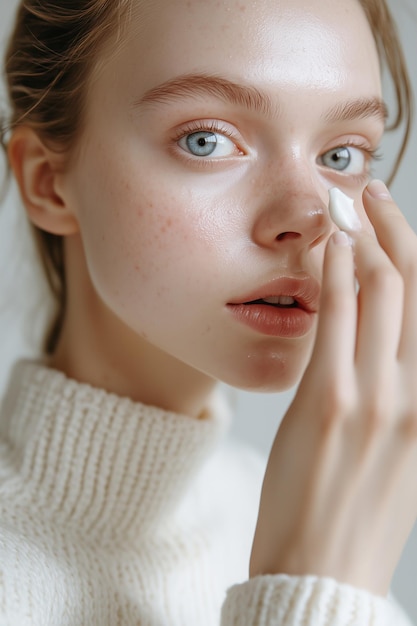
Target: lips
{"points": [[305, 292], [285, 307]]}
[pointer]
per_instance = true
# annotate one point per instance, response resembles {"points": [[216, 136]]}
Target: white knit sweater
{"points": [[113, 513]]}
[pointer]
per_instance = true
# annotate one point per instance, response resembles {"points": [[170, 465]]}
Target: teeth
{"points": [[282, 300]]}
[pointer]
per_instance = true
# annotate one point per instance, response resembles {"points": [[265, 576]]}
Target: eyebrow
{"points": [[195, 85], [192, 85], [358, 109]]}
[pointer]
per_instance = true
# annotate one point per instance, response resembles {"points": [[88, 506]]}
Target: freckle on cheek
{"points": [[166, 225]]}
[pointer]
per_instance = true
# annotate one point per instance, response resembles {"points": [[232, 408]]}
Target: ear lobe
{"points": [[36, 169]]}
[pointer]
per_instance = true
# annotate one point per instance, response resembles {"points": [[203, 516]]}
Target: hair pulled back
{"points": [[392, 58], [51, 53]]}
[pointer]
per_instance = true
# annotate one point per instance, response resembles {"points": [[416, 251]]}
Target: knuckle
{"points": [[408, 425], [377, 416], [337, 406], [384, 280], [410, 270], [379, 404]]}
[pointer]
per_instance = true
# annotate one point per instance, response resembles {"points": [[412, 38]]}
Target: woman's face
{"points": [[201, 179]]}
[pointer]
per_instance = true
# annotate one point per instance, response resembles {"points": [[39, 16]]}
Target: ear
{"points": [[37, 169]]}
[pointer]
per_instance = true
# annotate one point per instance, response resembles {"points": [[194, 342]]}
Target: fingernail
{"points": [[340, 238], [378, 189]]}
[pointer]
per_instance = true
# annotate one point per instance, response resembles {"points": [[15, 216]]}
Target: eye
{"points": [[346, 159], [206, 143]]}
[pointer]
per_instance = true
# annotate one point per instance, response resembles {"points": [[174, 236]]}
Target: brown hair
{"points": [[50, 56], [51, 52], [392, 58]]}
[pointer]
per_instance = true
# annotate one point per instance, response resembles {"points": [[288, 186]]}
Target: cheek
{"points": [[146, 244], [135, 244]]}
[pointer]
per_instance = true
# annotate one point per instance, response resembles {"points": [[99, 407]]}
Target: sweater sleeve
{"points": [[283, 600]]}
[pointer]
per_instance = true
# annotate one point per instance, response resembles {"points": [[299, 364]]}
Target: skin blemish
{"points": [[167, 225]]}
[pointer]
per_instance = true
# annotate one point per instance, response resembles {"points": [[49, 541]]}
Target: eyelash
{"points": [[372, 155], [214, 126]]}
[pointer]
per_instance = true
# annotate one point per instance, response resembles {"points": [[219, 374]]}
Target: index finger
{"points": [[334, 349]]}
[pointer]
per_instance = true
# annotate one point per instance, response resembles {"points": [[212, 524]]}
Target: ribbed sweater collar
{"points": [[106, 466]]}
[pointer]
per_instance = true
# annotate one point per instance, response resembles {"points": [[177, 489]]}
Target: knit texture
{"points": [[113, 513]]}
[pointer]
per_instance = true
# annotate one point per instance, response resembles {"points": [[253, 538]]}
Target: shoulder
{"points": [[32, 562], [20, 558]]}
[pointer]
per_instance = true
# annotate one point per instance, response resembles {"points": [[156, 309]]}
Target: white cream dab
{"points": [[342, 210]]}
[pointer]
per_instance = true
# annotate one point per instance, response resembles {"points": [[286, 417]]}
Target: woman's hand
{"points": [[340, 491]]}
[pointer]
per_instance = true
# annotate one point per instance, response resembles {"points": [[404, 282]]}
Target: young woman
{"points": [[175, 160]]}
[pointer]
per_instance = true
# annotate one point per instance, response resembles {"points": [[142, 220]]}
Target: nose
{"points": [[292, 211]]}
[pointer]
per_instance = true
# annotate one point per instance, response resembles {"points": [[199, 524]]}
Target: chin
{"points": [[267, 385], [272, 375]]}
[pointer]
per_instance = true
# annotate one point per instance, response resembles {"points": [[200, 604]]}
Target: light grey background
{"points": [[257, 415]]}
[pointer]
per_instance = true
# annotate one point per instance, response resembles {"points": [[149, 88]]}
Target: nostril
{"points": [[288, 235]]}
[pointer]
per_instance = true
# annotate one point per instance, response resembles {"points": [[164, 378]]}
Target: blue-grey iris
{"points": [[202, 143], [338, 159]]}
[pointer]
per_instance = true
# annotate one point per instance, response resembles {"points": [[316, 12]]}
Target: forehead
{"points": [[293, 44]]}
